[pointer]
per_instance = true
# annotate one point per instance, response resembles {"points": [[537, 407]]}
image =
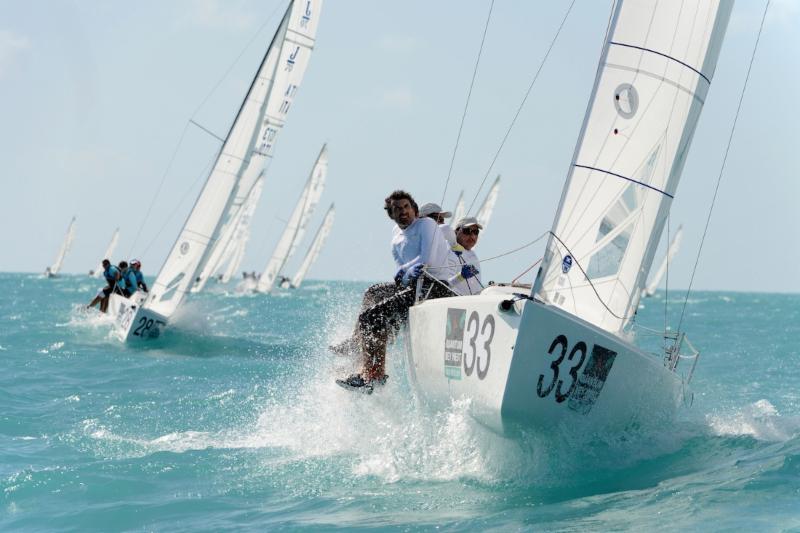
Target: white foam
{"points": [[760, 420]]}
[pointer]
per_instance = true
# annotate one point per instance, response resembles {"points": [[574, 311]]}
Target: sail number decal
{"points": [[144, 327], [563, 379], [467, 344]]}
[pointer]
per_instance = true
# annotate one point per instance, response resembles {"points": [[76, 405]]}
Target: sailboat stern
{"points": [[134, 321], [461, 347]]}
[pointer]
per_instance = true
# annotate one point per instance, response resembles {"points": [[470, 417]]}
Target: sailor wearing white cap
{"points": [[467, 278]]}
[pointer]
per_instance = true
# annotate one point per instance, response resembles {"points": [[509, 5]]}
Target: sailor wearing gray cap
{"points": [[467, 278], [435, 212]]}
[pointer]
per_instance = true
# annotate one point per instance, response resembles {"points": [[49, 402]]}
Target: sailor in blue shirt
{"points": [[113, 278], [128, 282], [136, 266]]}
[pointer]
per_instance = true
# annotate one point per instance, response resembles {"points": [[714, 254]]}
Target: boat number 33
{"points": [[563, 375], [479, 337]]}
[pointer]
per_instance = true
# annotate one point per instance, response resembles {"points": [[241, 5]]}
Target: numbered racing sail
{"points": [[296, 226], [109, 250], [316, 246], [62, 253], [671, 251], [247, 146], [280, 78], [486, 209], [654, 75]]}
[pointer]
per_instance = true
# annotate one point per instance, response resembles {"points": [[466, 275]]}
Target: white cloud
{"points": [[11, 45], [398, 43], [397, 97]]}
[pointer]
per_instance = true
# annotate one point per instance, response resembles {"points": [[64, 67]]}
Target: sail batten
{"points": [[654, 76]]}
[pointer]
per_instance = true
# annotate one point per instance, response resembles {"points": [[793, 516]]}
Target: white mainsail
{"points": [[459, 210], [296, 226], [280, 77], [65, 246], [316, 246], [653, 78], [486, 209], [247, 146], [109, 250], [671, 251]]}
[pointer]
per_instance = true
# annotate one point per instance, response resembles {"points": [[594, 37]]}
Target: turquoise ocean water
{"points": [[231, 421]]}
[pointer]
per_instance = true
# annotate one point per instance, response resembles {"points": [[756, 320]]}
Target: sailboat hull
{"points": [[133, 321], [533, 365]]}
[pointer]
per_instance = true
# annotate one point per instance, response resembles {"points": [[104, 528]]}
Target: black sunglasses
{"points": [[470, 231]]}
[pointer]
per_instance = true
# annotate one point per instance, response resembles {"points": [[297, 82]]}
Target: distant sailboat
{"points": [[55, 268], [671, 251], [296, 226], [239, 165], [487, 207], [316, 246], [242, 235], [459, 210], [561, 354], [96, 273]]}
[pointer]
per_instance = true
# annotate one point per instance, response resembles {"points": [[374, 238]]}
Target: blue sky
{"points": [[94, 97]]}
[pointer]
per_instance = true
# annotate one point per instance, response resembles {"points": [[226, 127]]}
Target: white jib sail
{"points": [[296, 226], [97, 272], [485, 212], [316, 246], [671, 251], [284, 68], [249, 143], [459, 210], [653, 78], [65, 246]]}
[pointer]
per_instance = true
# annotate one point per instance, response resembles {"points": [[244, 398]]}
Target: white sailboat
{"points": [[316, 246], [563, 353], [671, 251], [487, 207], [296, 226], [238, 167], [97, 272], [459, 211], [55, 268]]}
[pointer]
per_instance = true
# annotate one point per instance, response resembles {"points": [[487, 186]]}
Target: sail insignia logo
{"points": [[306, 18], [566, 264], [291, 59]]}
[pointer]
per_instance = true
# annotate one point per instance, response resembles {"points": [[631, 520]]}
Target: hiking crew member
{"points": [[467, 278]]}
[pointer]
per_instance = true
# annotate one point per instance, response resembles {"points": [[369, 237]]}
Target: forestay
{"points": [[486, 209], [241, 160], [65, 246], [654, 74], [296, 226], [283, 70], [316, 246], [109, 250]]}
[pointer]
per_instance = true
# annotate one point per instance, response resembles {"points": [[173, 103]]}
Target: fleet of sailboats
{"points": [[55, 268], [315, 248], [295, 227], [239, 166], [562, 351]]}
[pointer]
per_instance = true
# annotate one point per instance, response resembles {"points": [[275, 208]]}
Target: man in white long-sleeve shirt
{"points": [[418, 249], [467, 277]]}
